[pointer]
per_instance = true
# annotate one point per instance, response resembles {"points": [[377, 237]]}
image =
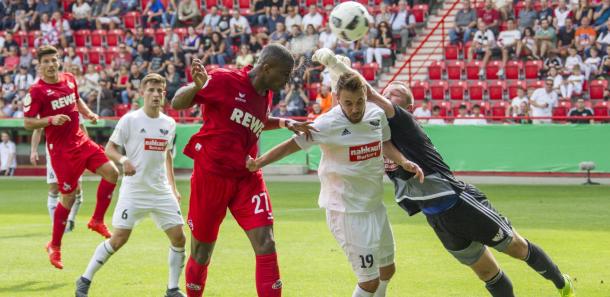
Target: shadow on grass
{"points": [[22, 235], [31, 286]]}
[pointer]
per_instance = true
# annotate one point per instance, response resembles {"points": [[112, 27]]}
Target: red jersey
{"points": [[53, 99], [233, 119]]}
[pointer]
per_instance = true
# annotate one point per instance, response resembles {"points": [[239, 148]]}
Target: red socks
{"points": [[104, 196], [195, 276], [268, 283], [59, 224]]}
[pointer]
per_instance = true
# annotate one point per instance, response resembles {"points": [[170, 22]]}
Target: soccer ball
{"points": [[349, 21]]}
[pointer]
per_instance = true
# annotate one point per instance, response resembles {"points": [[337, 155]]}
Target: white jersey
{"points": [[351, 169], [146, 141]]}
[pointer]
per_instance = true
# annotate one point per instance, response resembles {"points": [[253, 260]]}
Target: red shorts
{"points": [[70, 164], [211, 195]]}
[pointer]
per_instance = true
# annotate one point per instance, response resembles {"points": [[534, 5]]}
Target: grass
{"points": [[572, 223]]}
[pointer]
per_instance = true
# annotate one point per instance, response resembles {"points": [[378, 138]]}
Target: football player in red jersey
{"points": [[236, 112], [53, 103]]}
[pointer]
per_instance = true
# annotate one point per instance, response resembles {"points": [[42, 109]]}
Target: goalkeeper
{"points": [[462, 217]]}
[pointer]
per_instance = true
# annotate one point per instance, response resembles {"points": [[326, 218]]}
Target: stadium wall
{"points": [[497, 148]]}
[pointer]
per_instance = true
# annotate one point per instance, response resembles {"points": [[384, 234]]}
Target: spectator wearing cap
{"points": [[436, 114], [581, 111], [293, 17], [8, 155], [210, 20], [543, 101], [403, 24], [312, 18], [188, 12], [482, 44], [545, 38]]}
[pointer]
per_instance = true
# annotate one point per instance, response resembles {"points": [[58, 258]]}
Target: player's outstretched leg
{"points": [[385, 274], [268, 283], [102, 253], [196, 271], [74, 210], [175, 260], [60, 217], [110, 175], [538, 260], [496, 281]]}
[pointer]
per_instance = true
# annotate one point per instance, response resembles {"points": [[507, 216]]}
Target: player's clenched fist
{"points": [[128, 168], [252, 165], [200, 76], [59, 120]]}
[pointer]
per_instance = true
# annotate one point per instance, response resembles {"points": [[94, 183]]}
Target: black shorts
{"points": [[470, 225]]}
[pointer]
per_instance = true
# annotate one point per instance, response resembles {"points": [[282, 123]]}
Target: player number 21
{"points": [[257, 199]]}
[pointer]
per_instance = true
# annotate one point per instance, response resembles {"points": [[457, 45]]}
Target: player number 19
{"points": [[257, 199], [366, 260]]}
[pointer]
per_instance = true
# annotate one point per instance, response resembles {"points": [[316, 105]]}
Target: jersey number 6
{"points": [[257, 199]]}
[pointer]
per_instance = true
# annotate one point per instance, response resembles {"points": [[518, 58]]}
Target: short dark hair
{"points": [[46, 50], [436, 108], [273, 53], [350, 82]]}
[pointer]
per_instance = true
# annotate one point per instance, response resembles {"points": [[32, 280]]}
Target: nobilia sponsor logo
{"points": [[154, 144], [365, 151]]}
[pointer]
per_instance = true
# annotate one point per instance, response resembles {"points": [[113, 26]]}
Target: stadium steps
{"points": [[430, 51]]}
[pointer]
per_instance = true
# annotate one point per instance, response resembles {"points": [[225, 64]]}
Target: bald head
{"points": [[399, 93]]}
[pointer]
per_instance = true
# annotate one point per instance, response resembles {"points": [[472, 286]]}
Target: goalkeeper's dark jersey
{"points": [[411, 140]]}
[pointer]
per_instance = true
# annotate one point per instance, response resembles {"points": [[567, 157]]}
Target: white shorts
{"points": [[366, 239], [164, 210]]}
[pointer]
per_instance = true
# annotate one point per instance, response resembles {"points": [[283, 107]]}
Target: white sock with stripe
{"points": [[52, 200], [77, 203], [101, 255], [176, 264], [359, 292]]}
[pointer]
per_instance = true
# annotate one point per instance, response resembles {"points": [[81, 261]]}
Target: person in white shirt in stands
{"points": [[477, 117], [462, 117], [312, 18], [562, 12], [327, 39], [148, 186], [507, 43], [240, 27], [8, 155], [423, 111], [482, 44], [353, 137], [403, 24], [574, 84], [293, 17], [542, 102], [436, 112], [519, 105]]}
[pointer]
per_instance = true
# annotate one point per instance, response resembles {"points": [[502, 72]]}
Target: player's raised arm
{"points": [[277, 153], [183, 98], [391, 152]]}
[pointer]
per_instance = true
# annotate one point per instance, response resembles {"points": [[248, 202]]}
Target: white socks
{"points": [[77, 203], [359, 292], [383, 287], [52, 201], [101, 255], [176, 264]]}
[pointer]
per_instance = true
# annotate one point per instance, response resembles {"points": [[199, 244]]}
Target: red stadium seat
{"points": [[109, 54], [313, 90], [499, 110], [328, 2], [114, 37], [419, 12], [83, 53], [535, 84], [472, 70], [95, 55], [597, 87], [476, 90], [32, 37], [466, 49], [21, 37], [484, 106], [601, 109], [512, 88], [160, 36], [456, 90], [532, 68], [131, 19], [227, 3], [97, 37], [436, 69], [175, 114], [419, 89], [182, 33], [369, 71], [445, 108], [452, 52], [121, 109], [512, 70], [67, 5], [561, 110], [491, 71], [455, 69], [211, 3], [438, 90], [244, 4], [81, 37], [496, 89]]}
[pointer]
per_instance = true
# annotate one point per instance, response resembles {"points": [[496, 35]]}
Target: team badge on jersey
{"points": [[70, 85], [164, 131], [27, 102]]}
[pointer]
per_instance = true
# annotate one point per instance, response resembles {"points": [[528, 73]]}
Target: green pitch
{"points": [[571, 222]]}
